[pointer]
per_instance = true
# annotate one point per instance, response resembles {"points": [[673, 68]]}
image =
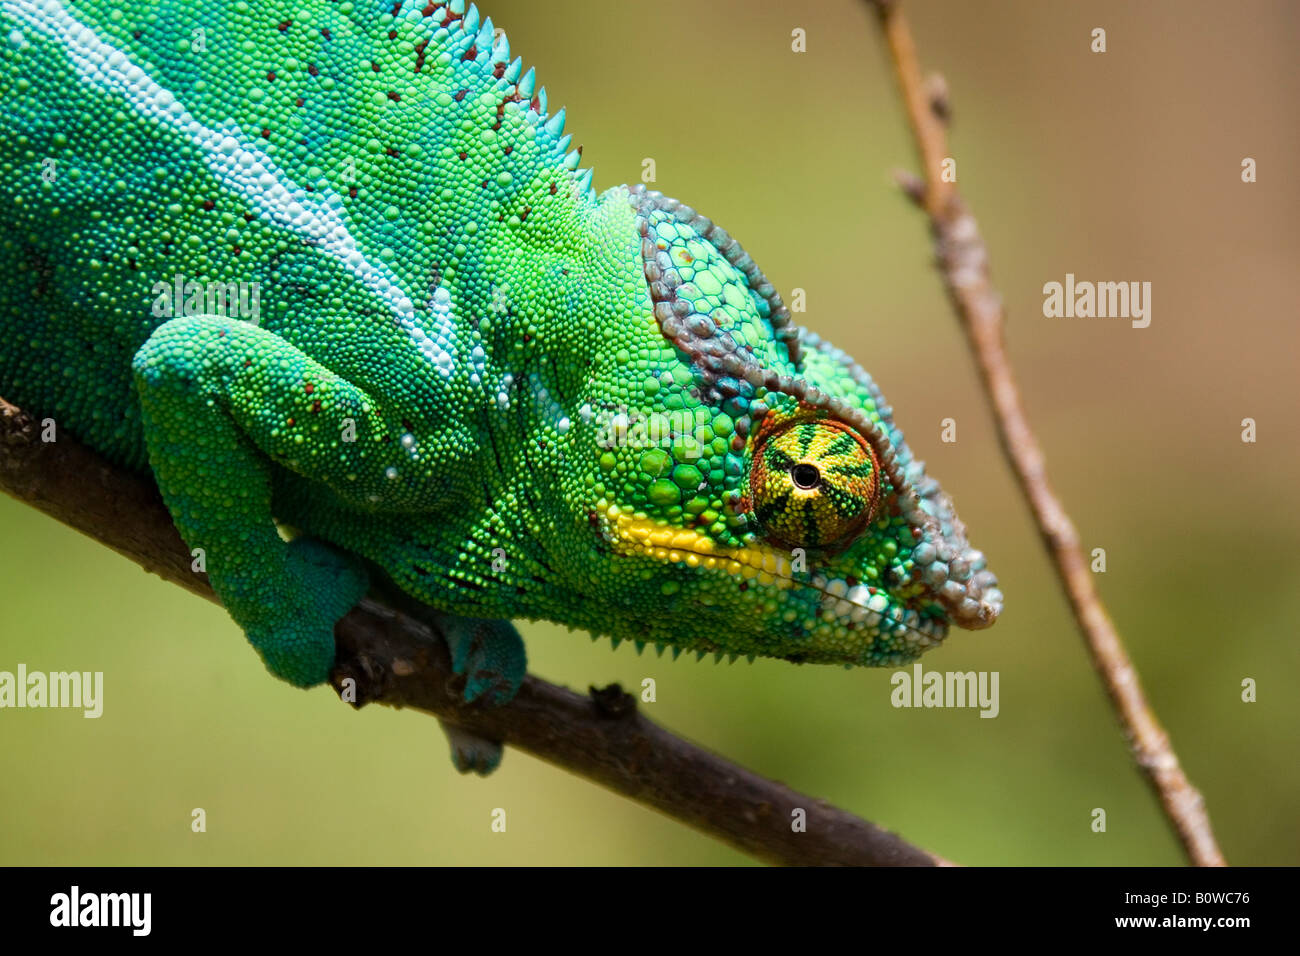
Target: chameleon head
{"points": [[776, 511]]}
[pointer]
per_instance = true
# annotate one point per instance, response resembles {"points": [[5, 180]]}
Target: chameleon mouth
{"points": [[856, 607]]}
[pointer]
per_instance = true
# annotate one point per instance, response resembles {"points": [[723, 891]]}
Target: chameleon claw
{"points": [[490, 654], [471, 753]]}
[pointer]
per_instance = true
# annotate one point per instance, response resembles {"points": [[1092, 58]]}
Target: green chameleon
{"points": [[332, 272]]}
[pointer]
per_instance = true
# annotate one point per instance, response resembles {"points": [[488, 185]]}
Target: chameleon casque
{"points": [[469, 375]]}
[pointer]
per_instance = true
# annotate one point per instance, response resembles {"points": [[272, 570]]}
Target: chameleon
{"points": [[333, 274]]}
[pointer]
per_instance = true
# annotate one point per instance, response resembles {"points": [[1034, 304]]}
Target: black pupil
{"points": [[806, 476]]}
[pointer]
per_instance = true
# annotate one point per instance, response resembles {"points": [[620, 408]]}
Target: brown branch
{"points": [[963, 262], [398, 661]]}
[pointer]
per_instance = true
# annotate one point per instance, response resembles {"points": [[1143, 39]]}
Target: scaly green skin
{"points": [[458, 350]]}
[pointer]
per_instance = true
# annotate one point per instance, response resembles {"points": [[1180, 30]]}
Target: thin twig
{"points": [[395, 660], [963, 262]]}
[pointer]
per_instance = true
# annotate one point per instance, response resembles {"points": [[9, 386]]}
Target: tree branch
{"points": [[398, 661], [963, 262]]}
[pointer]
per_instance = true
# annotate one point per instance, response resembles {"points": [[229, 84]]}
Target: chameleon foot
{"points": [[470, 752], [490, 653], [295, 634]]}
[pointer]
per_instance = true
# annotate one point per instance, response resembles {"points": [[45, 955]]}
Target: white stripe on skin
{"points": [[243, 168]]}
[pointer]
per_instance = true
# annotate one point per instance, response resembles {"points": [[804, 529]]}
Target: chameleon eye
{"points": [[813, 484]]}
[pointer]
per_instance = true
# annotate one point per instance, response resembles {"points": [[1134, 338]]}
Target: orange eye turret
{"points": [[813, 483]]}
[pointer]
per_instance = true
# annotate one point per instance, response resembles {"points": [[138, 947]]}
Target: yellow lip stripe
{"points": [[633, 535]]}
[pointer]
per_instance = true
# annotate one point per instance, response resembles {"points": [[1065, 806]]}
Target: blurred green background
{"points": [[1119, 166]]}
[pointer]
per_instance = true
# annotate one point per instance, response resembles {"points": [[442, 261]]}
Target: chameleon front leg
{"points": [[221, 400]]}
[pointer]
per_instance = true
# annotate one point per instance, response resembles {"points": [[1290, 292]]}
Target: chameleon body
{"points": [[334, 268]]}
